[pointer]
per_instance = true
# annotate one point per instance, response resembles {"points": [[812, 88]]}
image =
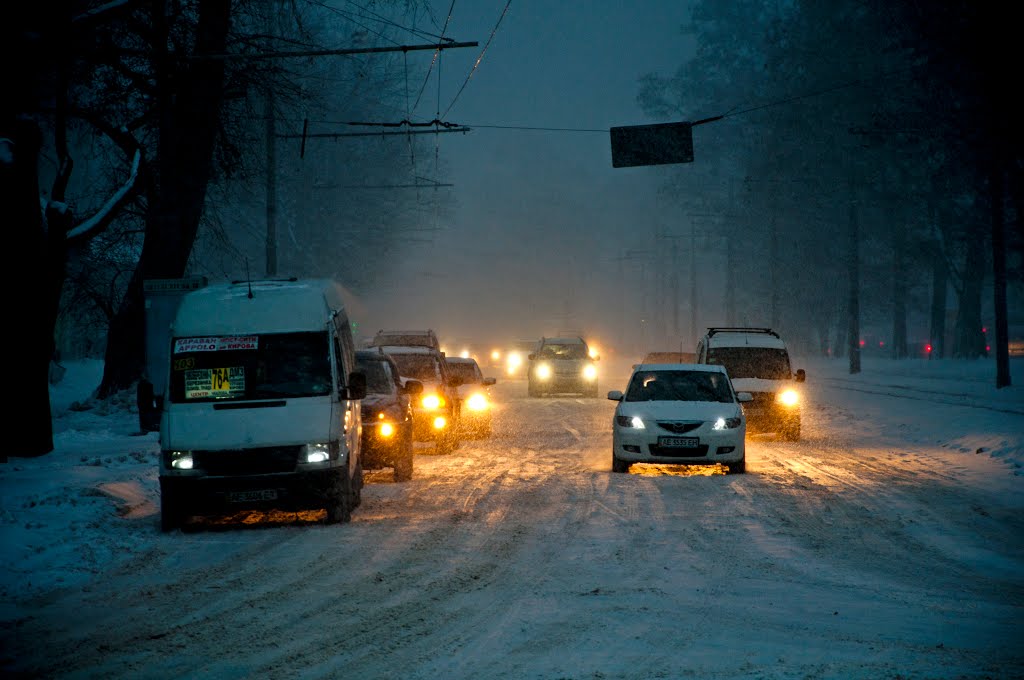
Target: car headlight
{"points": [[432, 401], [440, 422], [495, 354], [386, 429], [316, 453], [629, 421], [590, 371], [788, 398], [727, 423], [477, 402], [515, 360], [181, 460], [543, 371]]}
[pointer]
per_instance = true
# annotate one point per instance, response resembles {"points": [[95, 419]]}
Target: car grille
{"points": [[678, 427], [673, 452], [249, 461]]}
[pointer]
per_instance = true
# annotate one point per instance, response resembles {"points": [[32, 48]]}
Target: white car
{"points": [[684, 414]]}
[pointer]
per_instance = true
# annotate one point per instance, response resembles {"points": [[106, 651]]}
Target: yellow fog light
{"points": [[386, 429], [495, 355], [789, 398], [590, 372], [477, 402], [543, 371], [440, 422], [432, 401]]}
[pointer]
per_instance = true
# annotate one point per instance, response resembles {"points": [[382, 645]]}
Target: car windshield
{"points": [[422, 367], [465, 371], [679, 386], [264, 366], [378, 375], [752, 362], [573, 350]]}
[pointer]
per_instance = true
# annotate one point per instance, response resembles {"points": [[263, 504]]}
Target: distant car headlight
{"points": [[727, 423], [515, 359], [630, 421], [495, 355], [590, 372], [440, 422], [543, 371], [788, 398], [432, 402], [477, 402], [316, 453]]}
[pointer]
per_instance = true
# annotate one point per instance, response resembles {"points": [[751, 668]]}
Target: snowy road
{"points": [[877, 547]]}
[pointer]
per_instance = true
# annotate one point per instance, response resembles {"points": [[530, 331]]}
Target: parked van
{"points": [[261, 407]]}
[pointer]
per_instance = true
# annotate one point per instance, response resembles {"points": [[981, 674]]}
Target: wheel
{"points": [[619, 465], [338, 508], [532, 391], [592, 392], [739, 467], [172, 511], [403, 461], [791, 433], [357, 486]]}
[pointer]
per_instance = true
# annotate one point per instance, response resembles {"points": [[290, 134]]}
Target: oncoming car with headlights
{"points": [[758, 362], [387, 438], [562, 365], [476, 406], [435, 410], [684, 414]]}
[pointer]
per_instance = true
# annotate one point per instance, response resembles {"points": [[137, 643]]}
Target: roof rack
{"points": [[741, 329]]}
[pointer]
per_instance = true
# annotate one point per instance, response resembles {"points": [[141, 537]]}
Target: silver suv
{"points": [[757, 361], [561, 365]]}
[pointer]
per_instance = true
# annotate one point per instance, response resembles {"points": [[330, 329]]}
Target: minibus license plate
{"points": [[679, 442], [250, 496]]}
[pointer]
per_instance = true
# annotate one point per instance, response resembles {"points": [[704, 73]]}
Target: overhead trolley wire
{"points": [[478, 59]]}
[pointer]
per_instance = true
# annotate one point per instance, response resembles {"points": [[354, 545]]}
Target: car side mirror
{"points": [[413, 387], [744, 397], [489, 381], [615, 395], [801, 375], [356, 385]]}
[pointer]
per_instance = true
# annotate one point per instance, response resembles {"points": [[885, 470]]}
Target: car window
{"points": [[564, 351], [679, 386], [378, 376], [423, 367], [752, 362], [466, 372]]}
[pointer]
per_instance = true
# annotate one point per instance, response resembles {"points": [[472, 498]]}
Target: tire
{"points": [[619, 465], [357, 487], [403, 461], [446, 443], [739, 467], [172, 511], [592, 392], [791, 433], [338, 508], [532, 391]]}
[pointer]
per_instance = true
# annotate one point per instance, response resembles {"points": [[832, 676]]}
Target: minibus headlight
{"points": [[316, 453], [181, 460]]}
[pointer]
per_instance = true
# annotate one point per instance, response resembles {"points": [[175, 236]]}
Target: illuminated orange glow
{"points": [[658, 470]]}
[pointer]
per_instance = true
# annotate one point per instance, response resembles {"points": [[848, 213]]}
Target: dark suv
{"points": [[562, 365], [387, 439]]}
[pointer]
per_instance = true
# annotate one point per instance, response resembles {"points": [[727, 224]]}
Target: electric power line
{"points": [[478, 59]]}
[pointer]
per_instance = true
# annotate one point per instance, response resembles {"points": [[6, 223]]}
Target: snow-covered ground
{"points": [[888, 543]]}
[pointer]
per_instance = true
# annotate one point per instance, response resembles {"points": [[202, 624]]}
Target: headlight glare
{"points": [[630, 421], [432, 401], [789, 398], [590, 371], [387, 430], [182, 460], [544, 371], [477, 402], [317, 453], [727, 423]]}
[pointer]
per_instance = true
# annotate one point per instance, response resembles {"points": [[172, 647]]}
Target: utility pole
{"points": [[271, 128], [854, 293]]}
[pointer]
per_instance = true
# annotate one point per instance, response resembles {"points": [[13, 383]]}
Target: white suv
{"points": [[757, 361]]}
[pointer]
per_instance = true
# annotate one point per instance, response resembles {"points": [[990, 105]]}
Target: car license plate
{"points": [[250, 496], [679, 442]]}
